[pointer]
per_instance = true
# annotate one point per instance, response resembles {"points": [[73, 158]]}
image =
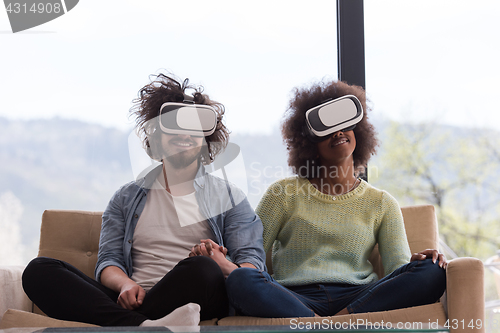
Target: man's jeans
{"points": [[256, 293]]}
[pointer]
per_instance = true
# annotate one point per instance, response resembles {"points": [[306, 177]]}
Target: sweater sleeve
{"points": [[392, 241], [272, 210]]}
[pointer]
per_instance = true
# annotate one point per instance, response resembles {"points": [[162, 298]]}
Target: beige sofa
{"points": [[73, 236]]}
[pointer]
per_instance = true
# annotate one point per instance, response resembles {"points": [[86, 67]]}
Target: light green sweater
{"points": [[319, 238]]}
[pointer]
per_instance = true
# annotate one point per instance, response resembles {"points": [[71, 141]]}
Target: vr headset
{"points": [[341, 114], [187, 118]]}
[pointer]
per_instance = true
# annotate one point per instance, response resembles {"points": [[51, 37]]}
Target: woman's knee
{"points": [[432, 269], [433, 276], [242, 279]]}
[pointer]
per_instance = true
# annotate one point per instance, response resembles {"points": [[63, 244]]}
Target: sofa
{"points": [[73, 236]]}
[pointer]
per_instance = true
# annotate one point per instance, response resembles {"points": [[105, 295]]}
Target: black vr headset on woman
{"points": [[341, 114], [187, 118]]}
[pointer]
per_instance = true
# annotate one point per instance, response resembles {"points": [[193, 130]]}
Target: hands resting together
{"points": [[211, 249]]}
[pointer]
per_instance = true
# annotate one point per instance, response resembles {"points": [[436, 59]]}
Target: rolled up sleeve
{"points": [[112, 237], [243, 235]]}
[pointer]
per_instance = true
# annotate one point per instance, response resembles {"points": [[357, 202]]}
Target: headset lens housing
{"points": [[189, 119], [340, 114]]}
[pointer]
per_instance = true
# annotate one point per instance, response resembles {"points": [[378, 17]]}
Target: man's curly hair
{"points": [[162, 89], [302, 152]]}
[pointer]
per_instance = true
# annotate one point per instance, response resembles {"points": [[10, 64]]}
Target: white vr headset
{"points": [[187, 118], [341, 114]]}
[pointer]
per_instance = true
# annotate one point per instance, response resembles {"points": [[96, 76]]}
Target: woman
{"points": [[324, 223]]}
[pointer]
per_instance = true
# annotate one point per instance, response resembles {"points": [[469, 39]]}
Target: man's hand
{"points": [[131, 296], [431, 253], [130, 293]]}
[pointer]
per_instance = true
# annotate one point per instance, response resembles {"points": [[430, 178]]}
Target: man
{"points": [[143, 274]]}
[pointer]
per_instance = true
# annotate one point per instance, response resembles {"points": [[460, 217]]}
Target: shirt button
{"points": [[136, 216], [89, 254], [130, 241]]}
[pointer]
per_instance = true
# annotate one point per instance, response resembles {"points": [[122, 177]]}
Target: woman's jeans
{"points": [[256, 293], [64, 292]]}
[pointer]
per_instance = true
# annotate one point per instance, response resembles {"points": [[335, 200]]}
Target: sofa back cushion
{"points": [[71, 236]]}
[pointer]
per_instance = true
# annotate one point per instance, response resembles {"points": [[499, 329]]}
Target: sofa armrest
{"points": [[465, 295], [11, 290]]}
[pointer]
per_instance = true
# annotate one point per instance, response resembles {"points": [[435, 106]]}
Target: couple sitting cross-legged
{"points": [[180, 245]]}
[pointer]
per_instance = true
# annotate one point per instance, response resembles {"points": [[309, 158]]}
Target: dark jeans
{"points": [[256, 293], [62, 291]]}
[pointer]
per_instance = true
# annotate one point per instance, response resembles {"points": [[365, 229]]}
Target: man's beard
{"points": [[184, 159]]}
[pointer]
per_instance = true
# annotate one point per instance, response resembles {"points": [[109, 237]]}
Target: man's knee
{"points": [[199, 262], [202, 266], [38, 265], [34, 270]]}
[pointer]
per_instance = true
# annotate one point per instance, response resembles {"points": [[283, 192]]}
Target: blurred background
{"points": [[431, 75]]}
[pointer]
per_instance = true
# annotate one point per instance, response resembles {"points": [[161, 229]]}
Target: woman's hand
{"points": [[211, 249], [431, 253]]}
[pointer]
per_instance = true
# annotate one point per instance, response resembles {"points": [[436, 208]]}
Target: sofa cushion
{"points": [[11, 290], [71, 236], [421, 227], [16, 318]]}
